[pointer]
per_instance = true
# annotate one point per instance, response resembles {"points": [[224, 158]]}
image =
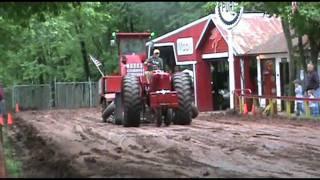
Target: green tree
{"points": [[43, 41]]}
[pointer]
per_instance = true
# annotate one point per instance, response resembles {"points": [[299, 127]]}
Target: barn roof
{"points": [[277, 44], [256, 33]]}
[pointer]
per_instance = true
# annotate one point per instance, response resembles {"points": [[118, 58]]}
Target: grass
{"points": [[13, 166]]}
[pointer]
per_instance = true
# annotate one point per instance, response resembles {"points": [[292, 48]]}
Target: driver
{"points": [[153, 63]]}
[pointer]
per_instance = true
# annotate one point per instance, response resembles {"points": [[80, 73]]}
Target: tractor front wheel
{"points": [[169, 117], [132, 101], [158, 116]]}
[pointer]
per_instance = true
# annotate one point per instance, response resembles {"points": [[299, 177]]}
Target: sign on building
{"points": [[185, 46], [229, 13]]}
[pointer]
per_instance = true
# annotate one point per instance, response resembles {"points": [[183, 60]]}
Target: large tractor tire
{"points": [[132, 101], [184, 112], [195, 111]]}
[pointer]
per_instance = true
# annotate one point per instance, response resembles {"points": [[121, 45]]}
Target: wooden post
{"points": [[271, 107], [288, 108], [307, 109], [240, 105], [254, 106], [274, 106]]}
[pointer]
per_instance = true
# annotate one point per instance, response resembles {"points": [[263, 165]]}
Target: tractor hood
{"points": [[134, 58]]}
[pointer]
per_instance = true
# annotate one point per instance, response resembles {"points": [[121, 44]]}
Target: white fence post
{"points": [[90, 93], [13, 96]]}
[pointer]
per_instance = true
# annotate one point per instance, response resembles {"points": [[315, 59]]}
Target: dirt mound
{"points": [[40, 157]]}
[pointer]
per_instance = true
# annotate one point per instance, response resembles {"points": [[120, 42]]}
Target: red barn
{"points": [[202, 47]]}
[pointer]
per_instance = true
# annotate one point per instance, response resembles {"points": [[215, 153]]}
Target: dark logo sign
{"points": [[229, 13]]}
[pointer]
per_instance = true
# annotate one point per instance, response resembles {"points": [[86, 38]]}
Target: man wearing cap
{"points": [[312, 80], [153, 63]]}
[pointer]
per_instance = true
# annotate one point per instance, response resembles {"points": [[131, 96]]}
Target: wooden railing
{"points": [[242, 99]]}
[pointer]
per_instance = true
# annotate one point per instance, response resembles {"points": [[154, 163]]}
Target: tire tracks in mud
{"points": [[216, 148]]}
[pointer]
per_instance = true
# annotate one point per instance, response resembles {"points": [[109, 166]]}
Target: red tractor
{"points": [[128, 96]]}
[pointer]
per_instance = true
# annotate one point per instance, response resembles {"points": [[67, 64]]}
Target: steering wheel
{"points": [[158, 71]]}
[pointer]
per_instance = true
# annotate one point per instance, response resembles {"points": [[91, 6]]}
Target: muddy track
{"points": [[75, 143]]}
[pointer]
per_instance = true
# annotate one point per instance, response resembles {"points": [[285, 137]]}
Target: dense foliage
{"points": [[46, 41], [42, 42]]}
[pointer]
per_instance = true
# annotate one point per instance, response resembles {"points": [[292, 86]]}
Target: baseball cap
{"points": [[156, 51]]}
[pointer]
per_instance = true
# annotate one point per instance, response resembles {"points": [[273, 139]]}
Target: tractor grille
{"points": [[135, 69]]}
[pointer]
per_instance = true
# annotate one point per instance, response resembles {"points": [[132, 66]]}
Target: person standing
{"points": [[299, 94], [312, 81], [314, 106]]}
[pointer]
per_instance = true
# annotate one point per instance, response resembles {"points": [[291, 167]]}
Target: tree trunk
{"points": [[97, 43], [131, 24], [286, 30], [303, 59], [41, 60], [85, 59], [78, 27], [314, 52]]}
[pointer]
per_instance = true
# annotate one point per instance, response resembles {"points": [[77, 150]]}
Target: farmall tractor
{"points": [[130, 98]]}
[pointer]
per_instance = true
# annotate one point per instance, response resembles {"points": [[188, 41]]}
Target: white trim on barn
{"points": [[278, 81], [271, 56], [215, 55], [242, 74], [211, 19], [179, 30], [259, 82], [175, 54], [195, 85], [204, 31]]}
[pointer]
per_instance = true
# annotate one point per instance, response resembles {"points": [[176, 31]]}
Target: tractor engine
{"points": [[161, 81]]}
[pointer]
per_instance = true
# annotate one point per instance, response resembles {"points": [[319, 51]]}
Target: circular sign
{"points": [[228, 13]]}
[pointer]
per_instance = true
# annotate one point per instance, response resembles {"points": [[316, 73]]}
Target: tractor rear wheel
{"points": [[182, 87], [132, 101]]}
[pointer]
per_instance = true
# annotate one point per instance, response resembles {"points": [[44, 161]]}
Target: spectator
{"points": [[312, 80], [299, 94], [314, 107]]}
